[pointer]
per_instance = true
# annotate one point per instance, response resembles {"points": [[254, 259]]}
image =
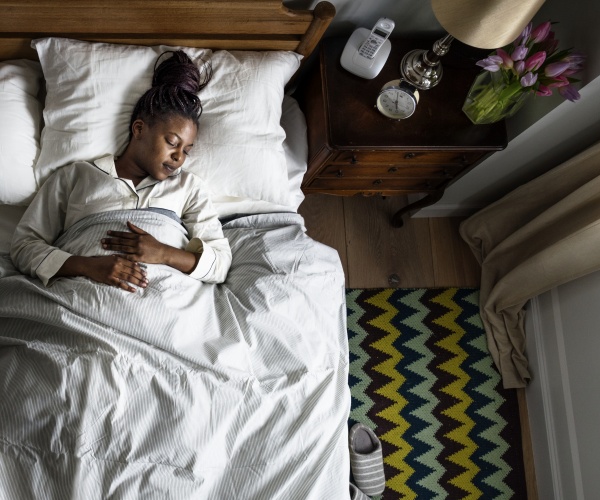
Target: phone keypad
{"points": [[370, 47]]}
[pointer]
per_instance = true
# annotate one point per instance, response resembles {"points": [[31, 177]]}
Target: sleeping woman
{"points": [[147, 182]]}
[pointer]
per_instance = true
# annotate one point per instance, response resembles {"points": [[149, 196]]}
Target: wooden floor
{"points": [[424, 253]]}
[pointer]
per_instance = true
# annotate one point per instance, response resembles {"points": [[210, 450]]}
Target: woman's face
{"points": [[162, 148]]}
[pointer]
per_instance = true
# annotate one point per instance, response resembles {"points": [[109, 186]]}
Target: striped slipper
{"points": [[366, 460], [356, 494]]}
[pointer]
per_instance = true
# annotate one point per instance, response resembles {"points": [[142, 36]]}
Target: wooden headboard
{"points": [[212, 24]]}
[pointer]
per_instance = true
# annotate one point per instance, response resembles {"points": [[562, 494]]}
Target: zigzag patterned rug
{"points": [[422, 378]]}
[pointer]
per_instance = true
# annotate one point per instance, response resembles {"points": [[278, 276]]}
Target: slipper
{"points": [[366, 460], [356, 494]]}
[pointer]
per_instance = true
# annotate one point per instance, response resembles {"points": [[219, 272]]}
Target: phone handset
{"points": [[379, 34]]}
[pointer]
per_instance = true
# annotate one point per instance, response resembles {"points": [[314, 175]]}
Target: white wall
{"points": [[561, 134], [412, 17], [563, 347]]}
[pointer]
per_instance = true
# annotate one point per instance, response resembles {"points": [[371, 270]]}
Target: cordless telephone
{"points": [[366, 51]]}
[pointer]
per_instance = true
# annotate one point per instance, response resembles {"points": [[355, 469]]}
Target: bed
{"points": [[184, 389]]}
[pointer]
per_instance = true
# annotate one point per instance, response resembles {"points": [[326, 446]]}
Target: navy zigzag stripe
{"points": [[413, 379], [476, 379]]}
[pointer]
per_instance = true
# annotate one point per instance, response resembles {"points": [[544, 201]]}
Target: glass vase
{"points": [[492, 98]]}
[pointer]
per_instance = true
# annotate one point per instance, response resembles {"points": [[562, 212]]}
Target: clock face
{"points": [[397, 102]]}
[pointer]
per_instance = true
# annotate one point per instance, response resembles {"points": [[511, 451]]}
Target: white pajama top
{"points": [[83, 188]]}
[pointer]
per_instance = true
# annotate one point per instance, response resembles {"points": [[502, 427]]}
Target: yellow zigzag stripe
{"points": [[392, 392], [456, 389]]}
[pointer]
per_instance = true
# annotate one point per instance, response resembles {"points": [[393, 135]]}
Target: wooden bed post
{"points": [[324, 13]]}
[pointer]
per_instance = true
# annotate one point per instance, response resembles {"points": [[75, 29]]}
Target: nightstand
{"points": [[354, 150]]}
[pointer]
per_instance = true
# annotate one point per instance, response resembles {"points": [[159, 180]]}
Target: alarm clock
{"points": [[397, 99]]}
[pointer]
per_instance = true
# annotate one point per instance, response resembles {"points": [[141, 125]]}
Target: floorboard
{"points": [[424, 253]]}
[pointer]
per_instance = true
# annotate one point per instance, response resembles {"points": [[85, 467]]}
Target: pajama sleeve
{"points": [[31, 248], [206, 237]]}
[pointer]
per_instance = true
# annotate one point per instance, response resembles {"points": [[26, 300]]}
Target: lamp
{"points": [[485, 24]]}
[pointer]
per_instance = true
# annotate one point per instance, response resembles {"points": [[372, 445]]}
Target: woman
{"points": [[146, 176]]}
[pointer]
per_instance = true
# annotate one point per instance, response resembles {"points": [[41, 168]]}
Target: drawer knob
{"points": [[377, 182], [392, 169], [353, 160], [339, 173], [409, 156]]}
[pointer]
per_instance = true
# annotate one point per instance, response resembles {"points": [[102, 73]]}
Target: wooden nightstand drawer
{"points": [[360, 170], [459, 158], [404, 184]]}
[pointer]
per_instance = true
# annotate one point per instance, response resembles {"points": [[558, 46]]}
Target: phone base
{"points": [[359, 65]]}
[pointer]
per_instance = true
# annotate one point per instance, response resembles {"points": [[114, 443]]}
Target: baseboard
{"points": [[444, 210]]}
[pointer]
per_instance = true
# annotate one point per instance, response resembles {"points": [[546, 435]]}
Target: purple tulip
{"points": [[556, 69], [528, 79], [575, 60], [569, 92], [522, 38], [549, 45], [519, 67], [519, 53], [544, 91], [559, 81], [540, 33], [507, 62], [491, 63], [534, 62]]}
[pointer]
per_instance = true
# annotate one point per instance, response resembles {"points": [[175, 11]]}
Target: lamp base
{"points": [[422, 68]]}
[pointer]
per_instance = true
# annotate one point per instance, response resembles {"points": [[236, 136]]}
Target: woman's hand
{"points": [[116, 270], [113, 270], [136, 246], [140, 246]]}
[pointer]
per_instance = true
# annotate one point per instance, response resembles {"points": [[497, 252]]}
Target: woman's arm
{"points": [[31, 250], [207, 257], [33, 253], [206, 236]]}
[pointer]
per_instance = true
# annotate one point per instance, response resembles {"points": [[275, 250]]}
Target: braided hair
{"points": [[175, 85]]}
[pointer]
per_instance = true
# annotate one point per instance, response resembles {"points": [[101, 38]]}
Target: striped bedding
{"points": [[183, 390]]}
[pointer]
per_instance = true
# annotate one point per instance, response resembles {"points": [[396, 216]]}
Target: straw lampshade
{"points": [[485, 24]]}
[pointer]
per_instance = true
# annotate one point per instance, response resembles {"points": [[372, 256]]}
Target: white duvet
{"points": [[183, 390]]}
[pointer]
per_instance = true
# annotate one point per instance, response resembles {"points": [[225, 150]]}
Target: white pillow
{"points": [[295, 147], [19, 130], [93, 87]]}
